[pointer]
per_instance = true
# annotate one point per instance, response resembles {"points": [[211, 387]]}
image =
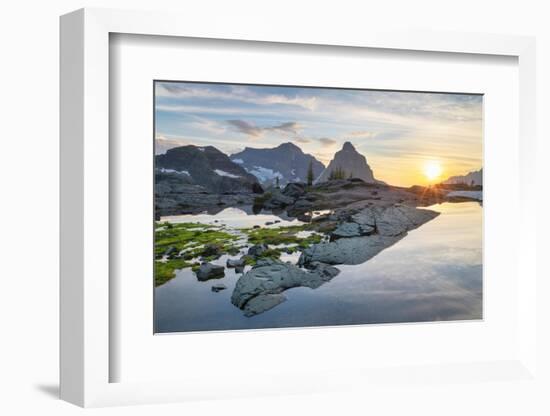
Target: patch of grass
{"points": [[194, 238], [164, 271], [283, 235], [191, 236], [273, 253]]}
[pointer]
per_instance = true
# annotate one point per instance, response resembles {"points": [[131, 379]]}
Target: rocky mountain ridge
{"points": [[347, 163], [287, 162]]}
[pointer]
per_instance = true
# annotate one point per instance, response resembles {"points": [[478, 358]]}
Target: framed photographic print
{"points": [[263, 192], [281, 213]]}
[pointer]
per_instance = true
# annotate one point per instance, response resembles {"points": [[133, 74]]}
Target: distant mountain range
{"points": [[472, 178], [206, 169], [286, 161], [348, 163], [205, 166]]}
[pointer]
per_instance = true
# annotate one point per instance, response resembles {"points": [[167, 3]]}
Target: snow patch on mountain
{"points": [[264, 174], [180, 172], [224, 173]]}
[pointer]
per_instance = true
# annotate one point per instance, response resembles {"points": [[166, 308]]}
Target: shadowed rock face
{"points": [[207, 167], [261, 288], [351, 162], [390, 224], [287, 161]]}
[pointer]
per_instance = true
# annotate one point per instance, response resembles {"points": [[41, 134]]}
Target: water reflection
{"points": [[433, 274]]}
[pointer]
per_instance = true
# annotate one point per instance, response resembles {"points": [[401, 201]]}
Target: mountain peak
{"points": [[289, 146], [348, 163], [348, 146], [286, 161]]}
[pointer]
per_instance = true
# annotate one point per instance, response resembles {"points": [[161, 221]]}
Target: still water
{"points": [[433, 274]]}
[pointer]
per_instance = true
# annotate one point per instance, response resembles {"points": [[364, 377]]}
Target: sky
{"points": [[399, 133]]}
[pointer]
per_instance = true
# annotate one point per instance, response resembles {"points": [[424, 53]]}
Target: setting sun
{"points": [[432, 170]]}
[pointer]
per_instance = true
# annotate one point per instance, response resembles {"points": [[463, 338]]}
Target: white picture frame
{"points": [[85, 211]]}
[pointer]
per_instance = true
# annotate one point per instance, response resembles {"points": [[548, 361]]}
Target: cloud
{"points": [[363, 134], [250, 129], [289, 127], [302, 140], [327, 142], [231, 92], [246, 127]]}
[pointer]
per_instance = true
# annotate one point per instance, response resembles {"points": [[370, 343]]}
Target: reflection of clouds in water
{"points": [[235, 217], [433, 274]]}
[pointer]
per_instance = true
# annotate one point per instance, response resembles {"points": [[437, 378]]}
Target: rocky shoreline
{"points": [[362, 220]]}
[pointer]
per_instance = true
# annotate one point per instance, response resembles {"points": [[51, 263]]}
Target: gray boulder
{"points": [[390, 224], [393, 220], [278, 200], [262, 303], [260, 289], [355, 250], [303, 205], [257, 250], [209, 271], [295, 190], [235, 262], [351, 229]]}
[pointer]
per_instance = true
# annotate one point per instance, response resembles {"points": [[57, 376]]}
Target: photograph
{"points": [[282, 206]]}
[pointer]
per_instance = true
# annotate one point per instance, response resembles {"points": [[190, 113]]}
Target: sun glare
{"points": [[432, 170]]}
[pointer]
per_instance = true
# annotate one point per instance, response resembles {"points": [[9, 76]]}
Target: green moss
{"points": [[164, 271], [192, 239], [272, 253], [283, 235]]}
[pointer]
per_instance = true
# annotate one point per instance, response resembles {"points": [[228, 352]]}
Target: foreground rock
{"points": [[257, 250], [393, 220], [354, 250], [389, 225], [233, 263], [261, 288], [351, 229], [209, 271]]}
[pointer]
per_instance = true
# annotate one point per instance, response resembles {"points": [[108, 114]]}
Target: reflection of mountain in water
{"points": [[434, 274]]}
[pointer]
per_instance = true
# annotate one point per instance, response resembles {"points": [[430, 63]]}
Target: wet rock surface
{"points": [[355, 250], [257, 250], [261, 288], [235, 263], [209, 271], [385, 226], [351, 229]]}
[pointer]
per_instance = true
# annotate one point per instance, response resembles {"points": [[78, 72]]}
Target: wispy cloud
{"points": [[231, 92], [363, 134], [250, 129], [396, 131], [327, 141]]}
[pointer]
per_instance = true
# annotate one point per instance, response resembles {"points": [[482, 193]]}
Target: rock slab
{"points": [[261, 288], [209, 271]]}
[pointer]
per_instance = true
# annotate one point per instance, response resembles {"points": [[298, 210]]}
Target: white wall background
{"points": [[29, 58]]}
